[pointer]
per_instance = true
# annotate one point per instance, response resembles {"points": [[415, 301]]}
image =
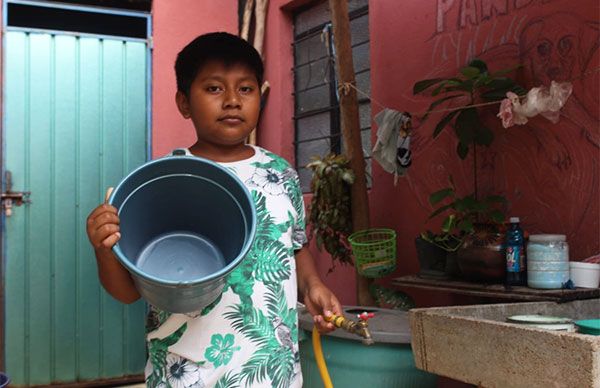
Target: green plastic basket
{"points": [[374, 251]]}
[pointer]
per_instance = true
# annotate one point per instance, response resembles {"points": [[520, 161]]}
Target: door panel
{"points": [[76, 122]]}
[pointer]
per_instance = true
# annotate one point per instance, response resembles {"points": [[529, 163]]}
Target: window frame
{"points": [[334, 135]]}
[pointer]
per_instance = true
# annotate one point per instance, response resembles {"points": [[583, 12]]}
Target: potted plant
{"points": [[473, 229], [470, 220], [436, 251]]}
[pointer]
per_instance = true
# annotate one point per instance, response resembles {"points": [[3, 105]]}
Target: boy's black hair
{"points": [[215, 46]]}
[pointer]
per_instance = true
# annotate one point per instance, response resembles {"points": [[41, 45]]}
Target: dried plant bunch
{"points": [[330, 217]]}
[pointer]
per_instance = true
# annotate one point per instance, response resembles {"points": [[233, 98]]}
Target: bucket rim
{"points": [[225, 270]]}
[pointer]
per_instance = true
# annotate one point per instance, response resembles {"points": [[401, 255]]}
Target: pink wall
{"points": [[276, 127], [176, 23], [549, 172]]}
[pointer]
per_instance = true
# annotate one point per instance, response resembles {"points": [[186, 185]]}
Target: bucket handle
{"points": [[179, 152]]}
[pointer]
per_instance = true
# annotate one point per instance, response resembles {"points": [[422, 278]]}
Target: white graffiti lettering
{"points": [[491, 8], [468, 13], [443, 6]]}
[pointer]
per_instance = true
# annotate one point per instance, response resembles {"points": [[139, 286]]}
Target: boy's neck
{"points": [[220, 153]]}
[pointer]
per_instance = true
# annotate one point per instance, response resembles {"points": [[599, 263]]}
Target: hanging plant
{"points": [[330, 218]]}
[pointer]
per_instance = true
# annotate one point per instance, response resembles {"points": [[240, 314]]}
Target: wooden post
{"points": [[260, 17], [245, 33], [351, 130], [259, 8]]}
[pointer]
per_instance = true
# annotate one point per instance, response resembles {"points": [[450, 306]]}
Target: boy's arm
{"points": [[103, 233], [115, 279], [319, 299]]}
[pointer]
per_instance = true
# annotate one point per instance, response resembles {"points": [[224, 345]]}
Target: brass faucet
{"points": [[361, 327]]}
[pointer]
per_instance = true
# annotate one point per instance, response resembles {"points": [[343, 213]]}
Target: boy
{"points": [[249, 336]]}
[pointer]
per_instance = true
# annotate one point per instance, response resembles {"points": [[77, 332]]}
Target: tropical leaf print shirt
{"points": [[249, 336]]}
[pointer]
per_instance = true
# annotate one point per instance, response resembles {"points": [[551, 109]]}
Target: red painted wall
{"points": [[176, 23], [276, 127], [549, 172]]}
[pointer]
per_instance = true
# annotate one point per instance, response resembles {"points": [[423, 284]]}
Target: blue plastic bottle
{"points": [[516, 274]]}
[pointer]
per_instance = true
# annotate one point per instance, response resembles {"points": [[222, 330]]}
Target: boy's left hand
{"points": [[320, 302]]}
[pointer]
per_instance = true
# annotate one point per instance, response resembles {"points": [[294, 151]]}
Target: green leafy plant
{"points": [[473, 85], [330, 217], [461, 216]]}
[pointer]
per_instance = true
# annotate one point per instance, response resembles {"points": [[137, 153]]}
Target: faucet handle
{"points": [[365, 316]]}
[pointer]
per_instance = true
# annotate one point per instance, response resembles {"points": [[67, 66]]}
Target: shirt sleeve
{"points": [[299, 226]]}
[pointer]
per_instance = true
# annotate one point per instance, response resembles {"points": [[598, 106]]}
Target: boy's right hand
{"points": [[103, 225]]}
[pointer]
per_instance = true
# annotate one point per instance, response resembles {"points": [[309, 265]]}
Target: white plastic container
{"points": [[547, 261], [586, 275]]}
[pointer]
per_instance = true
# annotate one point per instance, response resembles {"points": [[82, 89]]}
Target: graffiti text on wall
{"points": [[469, 13]]}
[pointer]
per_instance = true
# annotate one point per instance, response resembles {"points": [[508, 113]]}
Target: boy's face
{"points": [[223, 104]]}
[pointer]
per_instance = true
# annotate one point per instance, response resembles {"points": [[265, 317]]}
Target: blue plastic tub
{"points": [[186, 223], [388, 363], [588, 326], [4, 380]]}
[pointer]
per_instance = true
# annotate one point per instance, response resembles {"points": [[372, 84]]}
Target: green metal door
{"points": [[75, 121]]}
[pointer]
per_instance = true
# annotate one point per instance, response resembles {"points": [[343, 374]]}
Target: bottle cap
{"points": [[514, 220]]}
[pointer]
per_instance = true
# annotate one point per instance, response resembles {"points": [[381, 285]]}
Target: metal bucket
{"points": [[186, 223]]}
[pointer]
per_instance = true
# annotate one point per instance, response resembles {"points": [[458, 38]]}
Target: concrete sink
{"points": [[476, 345]]}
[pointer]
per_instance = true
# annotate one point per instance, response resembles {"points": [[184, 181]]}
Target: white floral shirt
{"points": [[249, 336]]}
